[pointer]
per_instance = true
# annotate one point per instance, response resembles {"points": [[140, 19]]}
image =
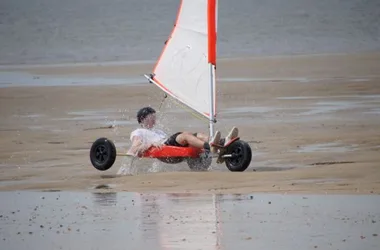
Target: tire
{"points": [[199, 164], [103, 154], [172, 160], [241, 156]]}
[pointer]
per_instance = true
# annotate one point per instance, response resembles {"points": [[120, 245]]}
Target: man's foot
{"points": [[215, 140], [234, 132]]}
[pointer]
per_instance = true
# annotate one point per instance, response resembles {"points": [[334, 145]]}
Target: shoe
{"points": [[232, 135], [215, 140]]}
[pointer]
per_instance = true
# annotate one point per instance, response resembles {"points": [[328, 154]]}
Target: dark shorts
{"points": [[171, 141]]}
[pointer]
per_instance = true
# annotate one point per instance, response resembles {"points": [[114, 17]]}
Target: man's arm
{"points": [[137, 146]]}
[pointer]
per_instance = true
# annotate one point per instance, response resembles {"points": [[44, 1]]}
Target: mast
{"points": [[212, 90]]}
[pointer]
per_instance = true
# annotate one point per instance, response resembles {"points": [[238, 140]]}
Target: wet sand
{"points": [[83, 220], [312, 122]]}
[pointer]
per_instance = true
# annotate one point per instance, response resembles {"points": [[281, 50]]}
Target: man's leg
{"points": [[198, 140], [202, 136], [186, 138]]}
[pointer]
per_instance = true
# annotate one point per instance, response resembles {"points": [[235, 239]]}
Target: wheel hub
{"points": [[237, 156], [101, 153]]}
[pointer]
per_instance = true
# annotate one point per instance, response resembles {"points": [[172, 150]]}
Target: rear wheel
{"points": [[103, 154], [199, 164], [239, 155]]}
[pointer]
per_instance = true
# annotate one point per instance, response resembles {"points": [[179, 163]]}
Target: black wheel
{"points": [[103, 154], [199, 164], [172, 160], [240, 156]]}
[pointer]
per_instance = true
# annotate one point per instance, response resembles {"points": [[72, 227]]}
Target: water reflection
{"points": [[109, 220], [105, 199], [175, 221]]}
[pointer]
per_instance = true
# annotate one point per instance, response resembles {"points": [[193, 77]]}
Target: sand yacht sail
{"points": [[186, 67]]}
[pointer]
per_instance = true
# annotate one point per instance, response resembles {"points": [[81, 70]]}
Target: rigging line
{"points": [[193, 113], [162, 102]]}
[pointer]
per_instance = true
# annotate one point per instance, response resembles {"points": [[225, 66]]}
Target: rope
{"points": [[165, 96], [192, 112]]}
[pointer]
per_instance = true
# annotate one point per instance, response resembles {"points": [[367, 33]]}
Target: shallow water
{"points": [[68, 220], [22, 79], [377, 97], [326, 147], [46, 31]]}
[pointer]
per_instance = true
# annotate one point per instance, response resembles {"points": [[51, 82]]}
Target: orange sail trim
{"points": [[157, 82], [211, 26], [167, 41]]}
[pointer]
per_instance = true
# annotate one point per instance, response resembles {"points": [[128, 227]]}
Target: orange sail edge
{"points": [[211, 31], [170, 36]]}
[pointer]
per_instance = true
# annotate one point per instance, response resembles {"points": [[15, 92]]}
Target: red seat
{"points": [[172, 151]]}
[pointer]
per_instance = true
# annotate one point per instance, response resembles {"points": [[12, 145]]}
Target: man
{"points": [[147, 136]]}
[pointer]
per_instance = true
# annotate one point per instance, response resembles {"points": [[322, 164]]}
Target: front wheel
{"points": [[238, 156], [103, 154]]}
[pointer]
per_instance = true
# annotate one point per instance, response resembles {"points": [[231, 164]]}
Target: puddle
{"points": [[36, 127], [375, 111], [124, 144], [331, 163], [293, 79], [104, 186], [30, 116], [332, 106], [316, 181], [91, 112], [320, 107], [360, 80], [22, 79], [109, 220], [120, 122], [56, 130], [251, 79], [274, 169], [106, 116], [332, 147], [246, 109], [82, 118], [76, 64], [328, 97]]}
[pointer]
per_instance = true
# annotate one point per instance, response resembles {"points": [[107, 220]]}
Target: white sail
{"points": [[186, 67]]}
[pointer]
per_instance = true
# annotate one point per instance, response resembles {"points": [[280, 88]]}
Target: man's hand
{"points": [[137, 147]]}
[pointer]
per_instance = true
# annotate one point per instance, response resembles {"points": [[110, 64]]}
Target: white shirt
{"points": [[150, 136]]}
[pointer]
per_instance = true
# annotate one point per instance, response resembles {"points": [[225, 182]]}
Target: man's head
{"points": [[146, 117]]}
